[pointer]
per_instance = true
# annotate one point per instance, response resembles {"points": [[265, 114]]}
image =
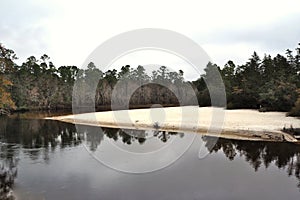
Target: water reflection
{"points": [[94, 135], [8, 169], [35, 134], [285, 156], [40, 138]]}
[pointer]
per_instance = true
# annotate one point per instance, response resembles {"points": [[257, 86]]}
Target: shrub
{"points": [[295, 111]]}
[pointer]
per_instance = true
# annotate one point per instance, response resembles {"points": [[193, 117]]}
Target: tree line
{"points": [[267, 83]]}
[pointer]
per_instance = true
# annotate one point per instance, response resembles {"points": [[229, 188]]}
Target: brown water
{"points": [[43, 159]]}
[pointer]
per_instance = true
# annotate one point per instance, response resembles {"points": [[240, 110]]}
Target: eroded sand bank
{"points": [[234, 124]]}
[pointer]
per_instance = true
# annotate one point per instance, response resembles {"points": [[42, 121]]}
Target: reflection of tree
{"points": [[284, 155], [8, 170], [127, 136], [39, 138], [111, 133], [34, 133], [94, 136], [164, 136]]}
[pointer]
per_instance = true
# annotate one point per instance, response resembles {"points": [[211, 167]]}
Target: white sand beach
{"points": [[243, 124]]}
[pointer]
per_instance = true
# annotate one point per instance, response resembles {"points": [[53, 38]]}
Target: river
{"points": [[46, 159]]}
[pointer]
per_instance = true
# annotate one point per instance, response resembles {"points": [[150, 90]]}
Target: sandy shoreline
{"points": [[234, 124]]}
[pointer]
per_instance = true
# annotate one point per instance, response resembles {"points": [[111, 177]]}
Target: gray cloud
{"points": [[20, 27], [276, 36], [23, 28]]}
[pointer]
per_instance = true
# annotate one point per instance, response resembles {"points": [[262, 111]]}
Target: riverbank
{"points": [[240, 124]]}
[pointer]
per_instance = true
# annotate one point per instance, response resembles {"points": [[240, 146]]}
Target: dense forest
{"points": [[267, 83]]}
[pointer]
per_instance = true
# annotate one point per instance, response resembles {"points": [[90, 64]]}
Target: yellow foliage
{"points": [[6, 101]]}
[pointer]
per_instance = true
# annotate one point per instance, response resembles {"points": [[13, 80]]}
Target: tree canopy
{"points": [[265, 83]]}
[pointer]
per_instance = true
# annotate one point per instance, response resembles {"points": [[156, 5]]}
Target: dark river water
{"points": [[42, 159]]}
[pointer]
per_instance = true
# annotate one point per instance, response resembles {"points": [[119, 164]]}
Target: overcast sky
{"points": [[68, 31]]}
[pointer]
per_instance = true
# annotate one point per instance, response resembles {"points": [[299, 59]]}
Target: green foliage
{"points": [[268, 84], [278, 95], [295, 111]]}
